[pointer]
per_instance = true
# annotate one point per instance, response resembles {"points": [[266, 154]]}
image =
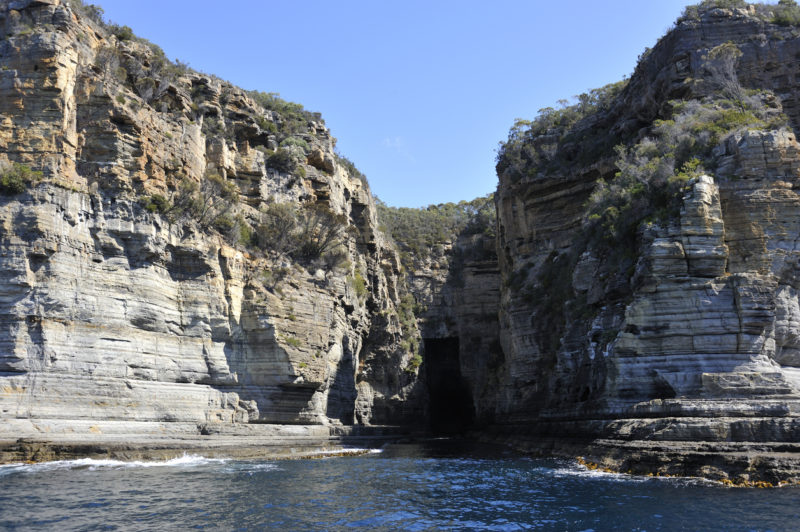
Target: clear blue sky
{"points": [[418, 93]]}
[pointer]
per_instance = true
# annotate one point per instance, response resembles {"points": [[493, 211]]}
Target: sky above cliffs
{"points": [[417, 93]]}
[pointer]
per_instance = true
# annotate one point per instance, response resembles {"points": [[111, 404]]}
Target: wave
{"points": [[94, 464], [579, 470], [346, 451]]}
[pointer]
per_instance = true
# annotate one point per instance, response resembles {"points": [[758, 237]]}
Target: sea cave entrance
{"points": [[449, 397]]}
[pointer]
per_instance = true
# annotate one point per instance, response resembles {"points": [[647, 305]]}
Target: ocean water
{"points": [[435, 486]]}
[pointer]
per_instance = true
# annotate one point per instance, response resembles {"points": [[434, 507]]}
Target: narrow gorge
{"points": [[188, 265]]}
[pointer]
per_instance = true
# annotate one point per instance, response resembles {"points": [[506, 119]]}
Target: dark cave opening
{"points": [[449, 398]]}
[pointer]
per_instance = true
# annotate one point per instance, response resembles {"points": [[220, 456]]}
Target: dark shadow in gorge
{"points": [[449, 398]]}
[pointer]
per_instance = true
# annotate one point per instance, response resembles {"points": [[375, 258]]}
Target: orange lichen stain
{"points": [[593, 466], [94, 429], [741, 483], [738, 483]]}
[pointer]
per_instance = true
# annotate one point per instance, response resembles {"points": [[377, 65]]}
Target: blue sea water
{"points": [[403, 487]]}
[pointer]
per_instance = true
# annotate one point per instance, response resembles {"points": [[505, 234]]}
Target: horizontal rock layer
{"points": [[697, 340], [111, 312]]}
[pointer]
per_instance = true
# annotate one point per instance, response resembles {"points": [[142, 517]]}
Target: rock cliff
{"points": [[181, 255], [450, 259], [649, 297], [117, 305]]}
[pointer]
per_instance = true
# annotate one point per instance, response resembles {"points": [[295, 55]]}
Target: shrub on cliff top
{"points": [[786, 13], [16, 178], [91, 11], [418, 231], [294, 118], [533, 144]]}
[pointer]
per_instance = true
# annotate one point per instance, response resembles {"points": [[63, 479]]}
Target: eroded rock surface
{"points": [[111, 312], [693, 338]]}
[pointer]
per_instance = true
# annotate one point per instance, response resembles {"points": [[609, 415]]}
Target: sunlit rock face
{"points": [[695, 336], [109, 311]]}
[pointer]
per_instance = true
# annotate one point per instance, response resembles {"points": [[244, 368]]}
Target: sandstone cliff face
{"points": [[699, 321], [111, 312], [459, 291]]}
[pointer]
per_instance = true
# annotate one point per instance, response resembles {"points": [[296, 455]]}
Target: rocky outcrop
{"points": [[687, 336], [111, 311]]}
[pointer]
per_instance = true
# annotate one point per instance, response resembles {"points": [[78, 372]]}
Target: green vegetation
{"points": [[537, 145], [291, 341], [270, 278], [16, 178], [652, 174], [784, 13], [693, 12], [654, 165], [417, 231], [307, 234], [406, 313], [90, 11], [414, 363], [211, 203], [283, 161], [294, 141], [157, 203], [148, 72], [359, 285], [294, 118]]}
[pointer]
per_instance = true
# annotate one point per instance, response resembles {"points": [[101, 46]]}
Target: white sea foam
{"points": [[578, 470], [92, 464], [345, 451]]}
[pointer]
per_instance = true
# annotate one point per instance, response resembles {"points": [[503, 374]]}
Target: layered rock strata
{"points": [[110, 311], [459, 289], [691, 340]]}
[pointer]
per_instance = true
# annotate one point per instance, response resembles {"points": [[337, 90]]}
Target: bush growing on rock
{"points": [[308, 234], [294, 141], [211, 203], [123, 33], [294, 119], [786, 13], [206, 202], [282, 161], [652, 173], [359, 285], [14, 179], [320, 231], [91, 11], [157, 204], [406, 313]]}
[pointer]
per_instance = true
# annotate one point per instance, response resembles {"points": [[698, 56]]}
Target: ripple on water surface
{"points": [[407, 487]]}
